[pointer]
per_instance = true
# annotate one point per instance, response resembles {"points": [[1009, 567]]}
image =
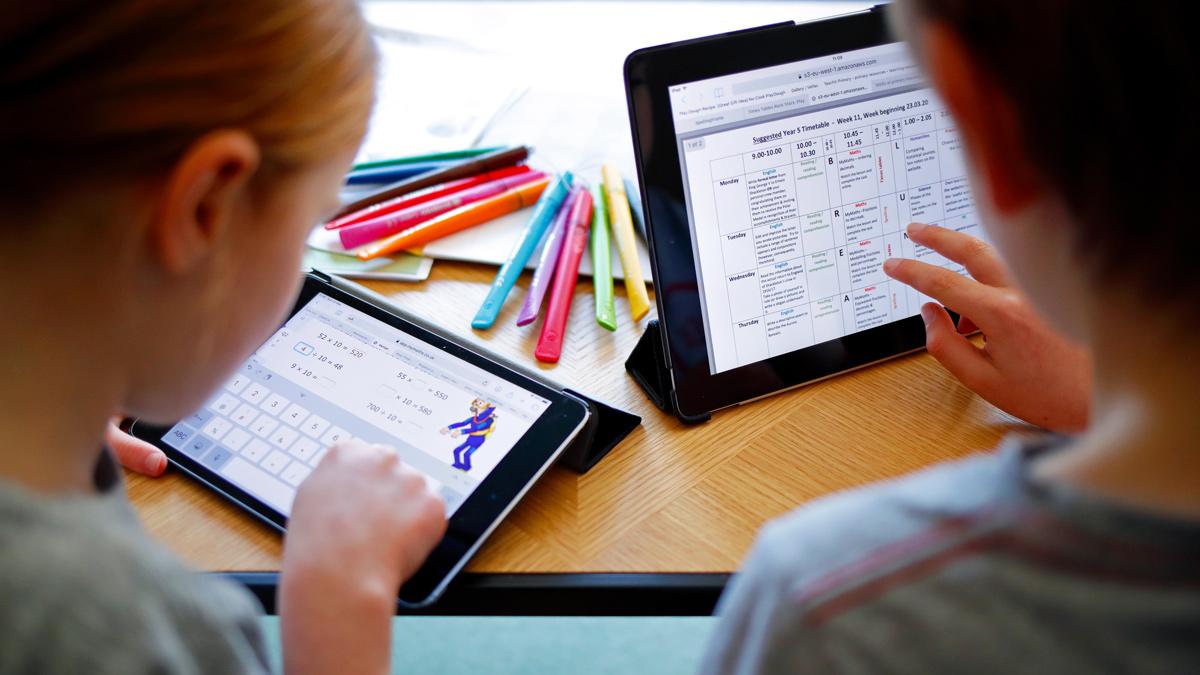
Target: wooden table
{"points": [[669, 498]]}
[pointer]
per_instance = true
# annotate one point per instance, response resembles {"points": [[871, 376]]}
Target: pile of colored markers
{"points": [[454, 191]]}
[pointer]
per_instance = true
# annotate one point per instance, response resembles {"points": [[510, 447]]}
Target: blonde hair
{"points": [[118, 88]]}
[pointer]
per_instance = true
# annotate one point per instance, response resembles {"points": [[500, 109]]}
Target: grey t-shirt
{"points": [[84, 590], [970, 566]]}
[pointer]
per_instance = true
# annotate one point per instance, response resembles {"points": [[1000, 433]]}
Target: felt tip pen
{"points": [[431, 157], [459, 219], [426, 195], [554, 329], [622, 226], [547, 263], [360, 234], [602, 279], [391, 174], [635, 208], [465, 169], [545, 211]]}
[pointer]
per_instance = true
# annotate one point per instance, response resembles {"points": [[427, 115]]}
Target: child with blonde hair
{"points": [[163, 162]]}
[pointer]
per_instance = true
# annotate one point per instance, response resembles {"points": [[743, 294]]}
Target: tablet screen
{"points": [[800, 180], [333, 373]]}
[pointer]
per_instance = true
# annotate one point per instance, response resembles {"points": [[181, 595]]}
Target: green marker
{"points": [[432, 157], [602, 280]]}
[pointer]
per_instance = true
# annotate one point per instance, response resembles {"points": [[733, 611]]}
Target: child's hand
{"points": [[134, 454], [367, 515], [361, 524], [1024, 367]]}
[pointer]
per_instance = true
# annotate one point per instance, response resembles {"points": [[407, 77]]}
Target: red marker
{"points": [[360, 234], [426, 195], [550, 343]]}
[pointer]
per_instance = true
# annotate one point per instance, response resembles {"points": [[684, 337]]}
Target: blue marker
{"points": [[391, 174], [543, 213]]}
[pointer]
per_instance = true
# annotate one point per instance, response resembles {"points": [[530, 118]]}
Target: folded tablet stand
{"points": [[651, 369], [606, 427]]}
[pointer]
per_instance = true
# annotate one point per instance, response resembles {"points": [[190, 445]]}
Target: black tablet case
{"points": [[650, 367], [649, 363]]}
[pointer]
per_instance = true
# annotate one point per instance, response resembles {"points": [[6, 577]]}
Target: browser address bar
{"points": [[835, 68]]}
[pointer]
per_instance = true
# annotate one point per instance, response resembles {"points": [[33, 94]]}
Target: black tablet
{"points": [[345, 366], [779, 168]]}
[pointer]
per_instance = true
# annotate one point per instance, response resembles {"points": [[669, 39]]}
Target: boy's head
{"points": [[163, 161], [1078, 121]]}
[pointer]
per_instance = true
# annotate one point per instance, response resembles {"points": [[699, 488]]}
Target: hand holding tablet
{"points": [[345, 369]]}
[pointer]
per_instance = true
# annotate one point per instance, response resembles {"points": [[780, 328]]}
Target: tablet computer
{"points": [[345, 366], [779, 168]]}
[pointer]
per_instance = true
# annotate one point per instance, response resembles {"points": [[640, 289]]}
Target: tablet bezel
{"points": [[649, 73], [479, 514]]}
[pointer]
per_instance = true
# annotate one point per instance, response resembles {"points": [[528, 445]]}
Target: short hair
{"points": [[1106, 96]]}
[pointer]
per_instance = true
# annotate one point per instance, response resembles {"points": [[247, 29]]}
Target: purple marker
{"points": [[547, 262]]}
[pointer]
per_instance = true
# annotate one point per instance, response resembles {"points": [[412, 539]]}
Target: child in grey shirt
{"points": [[83, 589], [970, 566], [1066, 554]]}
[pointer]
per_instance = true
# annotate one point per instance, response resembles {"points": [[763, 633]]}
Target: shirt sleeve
{"points": [[764, 621], [756, 625], [129, 619]]}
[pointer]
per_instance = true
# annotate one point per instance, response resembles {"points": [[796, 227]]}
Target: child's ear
{"points": [[201, 197], [986, 118]]}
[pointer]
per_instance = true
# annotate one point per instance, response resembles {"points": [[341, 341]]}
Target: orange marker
{"points": [[457, 220]]}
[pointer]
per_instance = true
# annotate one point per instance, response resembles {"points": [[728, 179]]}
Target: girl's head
{"points": [[1078, 120], [163, 161]]}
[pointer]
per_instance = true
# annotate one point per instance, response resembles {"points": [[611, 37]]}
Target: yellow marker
{"points": [[622, 228]]}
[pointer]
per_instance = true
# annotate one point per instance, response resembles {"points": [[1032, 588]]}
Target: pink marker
{"points": [[421, 196], [547, 262], [367, 231], [554, 328]]}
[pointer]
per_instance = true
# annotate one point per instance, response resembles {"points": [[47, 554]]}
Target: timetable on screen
{"points": [[800, 181]]}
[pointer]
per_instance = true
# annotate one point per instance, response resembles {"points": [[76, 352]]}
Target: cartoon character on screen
{"points": [[476, 427]]}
